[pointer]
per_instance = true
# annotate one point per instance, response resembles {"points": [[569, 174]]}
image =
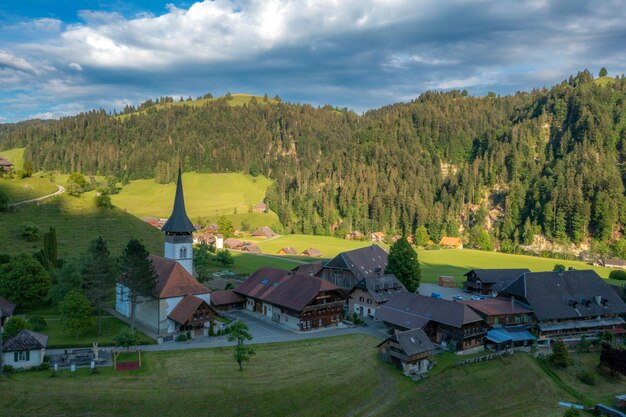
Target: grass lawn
{"points": [[335, 376], [233, 192], [603, 81], [329, 246], [20, 189], [15, 156], [456, 262], [77, 221], [246, 263]]}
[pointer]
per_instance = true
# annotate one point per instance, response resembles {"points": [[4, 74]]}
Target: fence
{"points": [[485, 358]]}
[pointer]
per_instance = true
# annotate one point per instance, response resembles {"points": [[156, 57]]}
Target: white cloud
{"points": [[75, 66], [8, 60]]}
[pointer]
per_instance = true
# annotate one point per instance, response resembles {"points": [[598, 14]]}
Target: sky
{"points": [[58, 58]]}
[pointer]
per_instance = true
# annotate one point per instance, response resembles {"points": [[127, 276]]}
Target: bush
{"points": [[43, 366], [126, 338], [4, 201], [8, 369], [103, 201], [181, 338], [618, 274], [14, 326], [37, 323], [29, 232], [586, 377]]}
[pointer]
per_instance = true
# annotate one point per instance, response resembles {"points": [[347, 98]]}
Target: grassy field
{"points": [[604, 80], [207, 196], [15, 156], [20, 189], [336, 376], [329, 246], [77, 221]]}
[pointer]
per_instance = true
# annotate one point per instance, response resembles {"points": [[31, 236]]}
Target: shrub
{"points": [[103, 201], [181, 338], [30, 232], [8, 368], [37, 323], [126, 338], [4, 201], [618, 274], [586, 377], [14, 326], [560, 354], [43, 366]]}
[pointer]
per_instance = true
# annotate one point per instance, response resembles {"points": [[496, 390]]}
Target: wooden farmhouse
{"points": [[409, 351], [264, 232], [372, 292], [288, 251], [451, 242], [348, 268], [251, 249], [356, 235], [487, 281], [6, 310], [5, 165], [260, 208], [567, 304], [311, 252], [298, 301], [233, 243], [25, 349], [377, 237], [615, 263], [227, 300], [449, 324]]}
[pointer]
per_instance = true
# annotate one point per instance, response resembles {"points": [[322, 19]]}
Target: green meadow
{"points": [[15, 156], [329, 246], [20, 189], [339, 376]]}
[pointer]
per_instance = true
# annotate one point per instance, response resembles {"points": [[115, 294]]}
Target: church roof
{"points": [[178, 221], [174, 280]]}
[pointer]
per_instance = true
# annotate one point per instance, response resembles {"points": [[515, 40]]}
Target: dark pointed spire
{"points": [[178, 221]]}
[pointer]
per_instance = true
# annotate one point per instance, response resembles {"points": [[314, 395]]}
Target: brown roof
{"points": [[379, 234], [309, 268], [615, 262], [174, 280], [284, 288], [289, 250], [264, 231], [496, 306], [251, 249], [312, 252], [5, 162], [7, 307], [220, 298], [185, 308], [413, 342], [450, 241], [231, 242]]}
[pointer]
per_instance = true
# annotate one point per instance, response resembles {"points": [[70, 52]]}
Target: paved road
{"points": [[59, 191]]}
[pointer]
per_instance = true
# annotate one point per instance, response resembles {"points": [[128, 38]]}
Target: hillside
{"points": [[497, 170]]}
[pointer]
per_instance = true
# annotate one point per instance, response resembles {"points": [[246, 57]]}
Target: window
{"points": [[183, 253], [21, 356], [361, 299]]}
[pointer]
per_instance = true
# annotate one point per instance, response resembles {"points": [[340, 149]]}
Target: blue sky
{"points": [[58, 58]]}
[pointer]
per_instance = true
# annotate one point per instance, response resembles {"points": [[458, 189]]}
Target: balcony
{"points": [[316, 307]]}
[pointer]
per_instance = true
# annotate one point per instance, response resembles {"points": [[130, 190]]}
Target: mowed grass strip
{"points": [[20, 189]]}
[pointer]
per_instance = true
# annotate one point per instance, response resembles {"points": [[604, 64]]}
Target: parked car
{"points": [[457, 297], [477, 297], [435, 295]]}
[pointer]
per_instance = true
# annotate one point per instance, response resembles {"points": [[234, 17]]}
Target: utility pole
{"points": [[1, 352]]}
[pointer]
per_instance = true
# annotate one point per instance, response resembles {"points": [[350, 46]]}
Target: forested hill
{"points": [[547, 161]]}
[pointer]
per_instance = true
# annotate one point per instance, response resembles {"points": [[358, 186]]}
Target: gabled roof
{"points": [[418, 309], [185, 308], [450, 241], [497, 306], [413, 342], [25, 340], [615, 262], [251, 249], [363, 262], [220, 298], [289, 250], [309, 268], [381, 288], [178, 221], [312, 252], [264, 231], [174, 280], [7, 307], [284, 288], [566, 294], [492, 276], [232, 242]]}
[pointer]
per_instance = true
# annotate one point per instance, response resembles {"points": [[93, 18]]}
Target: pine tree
{"points": [[98, 276], [137, 274], [50, 246], [403, 263]]}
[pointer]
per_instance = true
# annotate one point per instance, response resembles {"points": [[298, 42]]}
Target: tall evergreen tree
{"points": [[403, 263], [50, 248], [137, 274], [98, 276]]}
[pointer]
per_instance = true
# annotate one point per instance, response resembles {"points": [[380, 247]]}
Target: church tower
{"points": [[178, 230]]}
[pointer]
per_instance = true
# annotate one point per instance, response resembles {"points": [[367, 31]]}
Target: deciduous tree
{"points": [[24, 280], [240, 333], [76, 313]]}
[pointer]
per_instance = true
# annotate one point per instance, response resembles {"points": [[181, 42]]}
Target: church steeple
{"points": [[178, 221]]}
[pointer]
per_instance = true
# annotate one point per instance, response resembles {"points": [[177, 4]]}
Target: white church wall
{"points": [[122, 305]]}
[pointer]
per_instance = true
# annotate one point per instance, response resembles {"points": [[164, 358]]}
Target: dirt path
{"points": [[59, 191], [383, 395]]}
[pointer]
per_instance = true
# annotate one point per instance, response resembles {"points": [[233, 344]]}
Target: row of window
{"points": [[369, 301]]}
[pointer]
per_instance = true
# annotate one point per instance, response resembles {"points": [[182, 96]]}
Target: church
{"points": [[179, 303]]}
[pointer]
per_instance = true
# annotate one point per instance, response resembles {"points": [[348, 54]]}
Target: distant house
{"points": [[153, 221], [446, 281], [395, 238], [372, 292], [488, 281], [227, 300], [212, 228], [410, 239], [260, 208], [377, 237], [348, 268], [161, 312], [356, 235], [288, 251], [7, 308], [447, 323], [5, 165], [295, 300], [311, 252], [25, 349], [251, 249], [615, 263], [309, 268], [409, 351], [265, 232], [567, 304], [233, 243], [451, 242]]}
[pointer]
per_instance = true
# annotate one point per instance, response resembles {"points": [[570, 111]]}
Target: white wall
{"points": [[219, 243], [172, 251], [206, 297], [122, 305], [36, 358], [356, 309]]}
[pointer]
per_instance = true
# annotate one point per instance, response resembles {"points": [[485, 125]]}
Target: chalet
{"points": [[377, 237], [311, 252], [264, 232], [227, 300], [487, 281], [260, 208], [348, 268], [288, 251], [356, 235], [451, 242], [212, 228], [449, 324], [409, 351], [251, 249], [210, 239], [298, 301], [615, 263], [5, 165], [233, 243], [309, 268], [25, 349], [372, 292], [178, 302], [567, 304], [6, 310]]}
